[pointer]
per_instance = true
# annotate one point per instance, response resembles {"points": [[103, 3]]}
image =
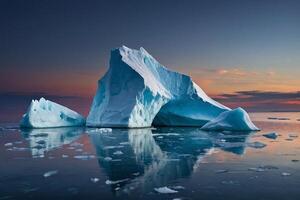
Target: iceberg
{"points": [[47, 114], [231, 120], [137, 91]]}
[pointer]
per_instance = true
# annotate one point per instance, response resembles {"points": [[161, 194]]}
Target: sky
{"points": [[240, 52]]}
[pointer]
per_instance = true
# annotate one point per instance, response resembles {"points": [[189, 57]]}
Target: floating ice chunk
{"points": [[165, 134], [84, 157], [50, 173], [232, 120], [165, 190], [64, 156], [285, 174], [45, 114], [76, 144], [293, 135], [18, 149], [257, 145], [256, 169], [113, 147], [178, 187], [94, 180], [109, 182], [137, 91], [221, 171], [9, 144], [118, 153], [271, 135], [107, 158]]}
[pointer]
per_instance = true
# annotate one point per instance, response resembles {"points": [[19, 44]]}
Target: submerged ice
{"points": [[45, 114]]}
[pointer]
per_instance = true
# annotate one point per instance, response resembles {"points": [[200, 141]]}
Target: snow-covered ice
{"points": [[232, 120], [137, 91], [45, 114]]}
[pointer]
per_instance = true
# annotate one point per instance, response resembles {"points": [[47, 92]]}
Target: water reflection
{"points": [[146, 158], [43, 140]]}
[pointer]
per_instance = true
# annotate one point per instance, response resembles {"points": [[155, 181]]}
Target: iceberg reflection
{"points": [[43, 140], [151, 158]]}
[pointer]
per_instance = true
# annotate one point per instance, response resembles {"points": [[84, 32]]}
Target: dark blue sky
{"points": [[62, 46]]}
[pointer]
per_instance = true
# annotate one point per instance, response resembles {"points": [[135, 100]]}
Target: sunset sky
{"points": [[242, 53]]}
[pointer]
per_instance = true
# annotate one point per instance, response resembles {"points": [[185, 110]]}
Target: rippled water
{"points": [[78, 163]]}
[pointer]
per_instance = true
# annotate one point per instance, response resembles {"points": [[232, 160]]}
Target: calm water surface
{"points": [[78, 163]]}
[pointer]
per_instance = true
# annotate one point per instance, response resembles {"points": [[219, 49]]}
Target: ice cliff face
{"points": [[137, 91], [47, 114]]}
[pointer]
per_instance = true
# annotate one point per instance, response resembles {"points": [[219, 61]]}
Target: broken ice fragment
{"points": [[107, 158], [50, 173], [94, 180], [84, 157], [220, 171], [285, 174], [271, 135], [293, 135], [165, 190], [257, 145], [9, 144], [118, 153], [109, 182]]}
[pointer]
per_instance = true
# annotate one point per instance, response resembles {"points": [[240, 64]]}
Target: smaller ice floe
{"points": [[64, 156], [46, 114], [232, 120], [9, 144], [271, 135], [109, 182], [94, 180], [289, 139], [100, 130], [262, 168], [50, 173], [256, 169], [113, 147], [118, 153], [76, 144], [18, 149], [124, 143], [256, 145], [165, 134], [165, 190], [285, 174], [293, 135], [230, 182], [84, 157], [178, 187], [221, 171], [107, 158]]}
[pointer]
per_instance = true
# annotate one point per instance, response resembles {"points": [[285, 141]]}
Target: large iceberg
{"points": [[232, 120], [137, 91], [47, 114]]}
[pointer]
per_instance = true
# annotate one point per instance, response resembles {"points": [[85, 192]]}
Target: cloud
{"points": [[262, 100]]}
